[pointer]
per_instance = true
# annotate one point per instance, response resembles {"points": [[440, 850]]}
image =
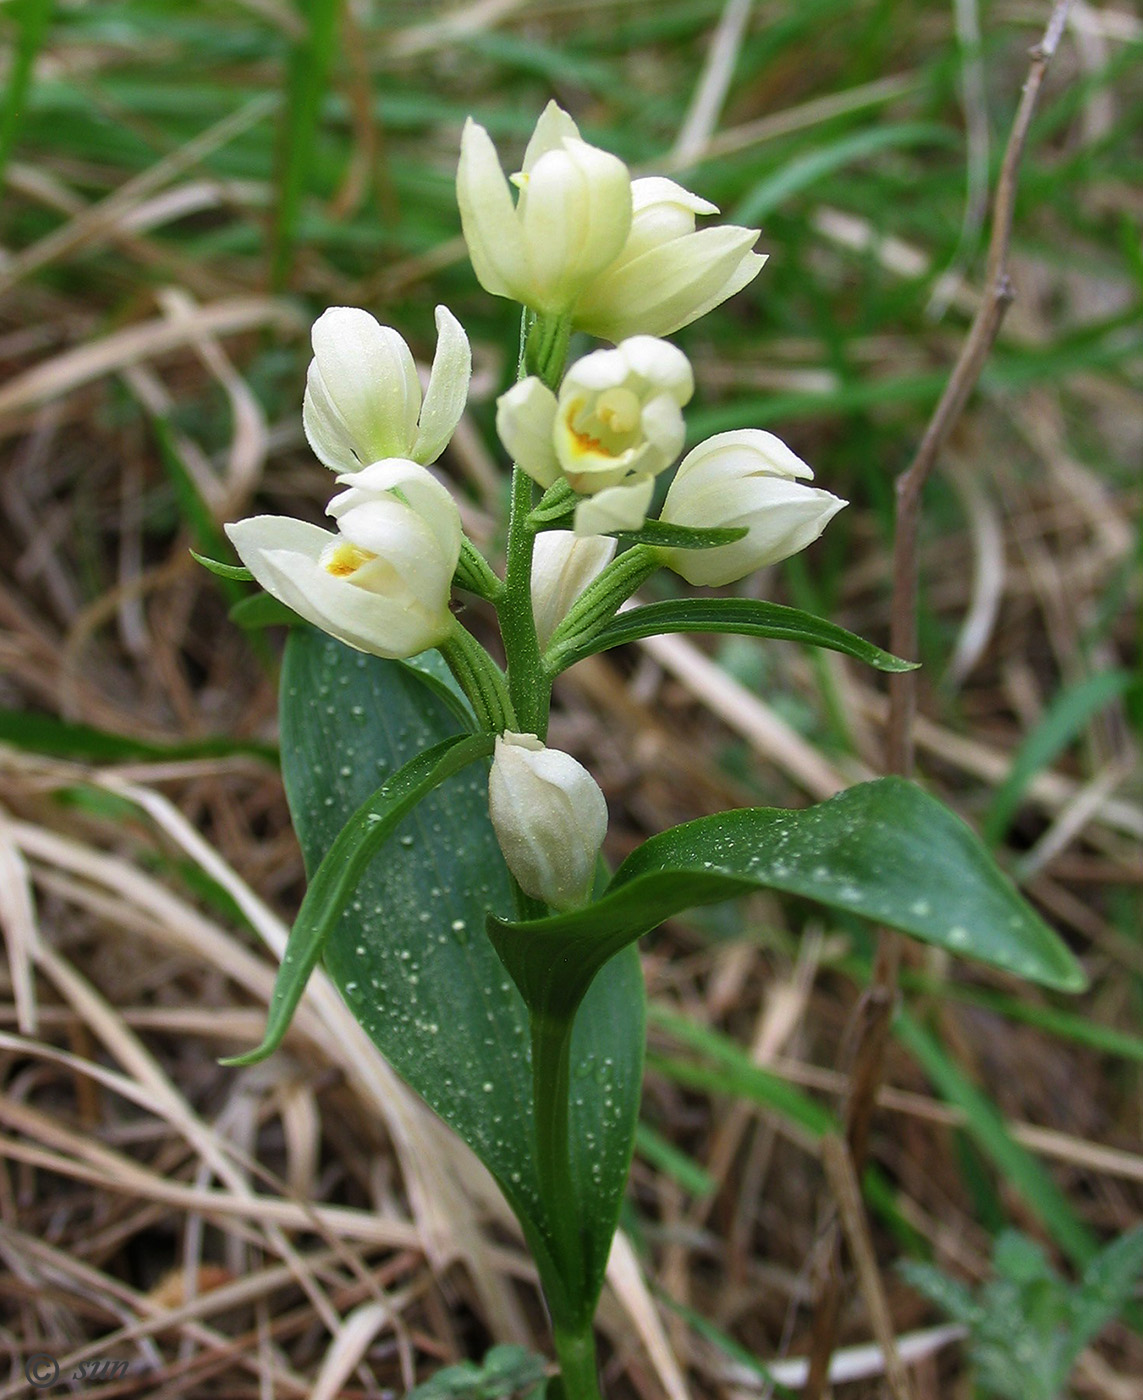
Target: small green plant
{"points": [[1027, 1325], [505, 1371]]}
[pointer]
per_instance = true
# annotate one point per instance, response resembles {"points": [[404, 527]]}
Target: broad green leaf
{"points": [[746, 616], [883, 850], [339, 874], [410, 953]]}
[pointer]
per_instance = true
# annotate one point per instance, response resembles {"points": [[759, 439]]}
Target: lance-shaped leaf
{"points": [[747, 617], [342, 867], [654, 532], [883, 850], [410, 953]]}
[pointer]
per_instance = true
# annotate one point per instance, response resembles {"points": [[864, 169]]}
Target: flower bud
{"points": [[363, 397], [381, 583], [549, 817], [563, 564], [744, 478], [569, 222], [667, 274], [617, 421]]}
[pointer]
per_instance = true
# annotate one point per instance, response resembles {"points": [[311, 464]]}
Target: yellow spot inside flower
{"points": [[343, 559]]}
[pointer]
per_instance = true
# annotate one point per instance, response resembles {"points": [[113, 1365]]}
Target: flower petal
{"points": [[447, 393], [525, 418], [551, 129], [488, 216], [369, 375], [616, 508]]}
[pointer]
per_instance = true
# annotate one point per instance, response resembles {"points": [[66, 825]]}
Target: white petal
{"points": [[650, 190], [670, 285], [283, 554], [602, 369], [617, 508], [525, 417], [410, 563], [661, 364], [448, 389], [324, 426], [664, 430], [369, 375], [488, 216], [551, 129], [431, 501], [575, 221], [783, 517], [563, 564]]}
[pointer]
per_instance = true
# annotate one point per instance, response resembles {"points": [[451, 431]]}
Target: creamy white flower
{"points": [[381, 582], [563, 564], [617, 508], [550, 819], [668, 274], [363, 398], [569, 221], [617, 422], [746, 478]]}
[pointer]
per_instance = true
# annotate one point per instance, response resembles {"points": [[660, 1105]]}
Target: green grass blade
{"points": [[31, 17]]}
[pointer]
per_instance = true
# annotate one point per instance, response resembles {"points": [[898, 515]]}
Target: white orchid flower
{"points": [[668, 274], [550, 818], [569, 221], [746, 478], [363, 399], [381, 582], [616, 424]]}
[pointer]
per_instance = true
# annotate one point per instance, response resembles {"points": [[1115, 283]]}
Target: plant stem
{"points": [[572, 1311], [526, 682], [579, 1370]]}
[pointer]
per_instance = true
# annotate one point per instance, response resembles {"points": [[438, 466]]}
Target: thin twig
{"points": [[846, 1190], [872, 1032]]}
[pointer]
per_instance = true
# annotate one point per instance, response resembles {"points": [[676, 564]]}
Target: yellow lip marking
{"points": [[344, 559]]}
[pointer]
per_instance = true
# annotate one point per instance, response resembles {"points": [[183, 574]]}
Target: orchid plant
{"points": [[463, 909]]}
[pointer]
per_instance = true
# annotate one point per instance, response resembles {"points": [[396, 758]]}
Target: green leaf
{"points": [[216, 566], [746, 616], [342, 867], [410, 953], [883, 850]]}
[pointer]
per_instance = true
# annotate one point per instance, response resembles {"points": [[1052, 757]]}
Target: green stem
{"points": [[551, 1093], [579, 1370], [527, 683], [480, 678]]}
